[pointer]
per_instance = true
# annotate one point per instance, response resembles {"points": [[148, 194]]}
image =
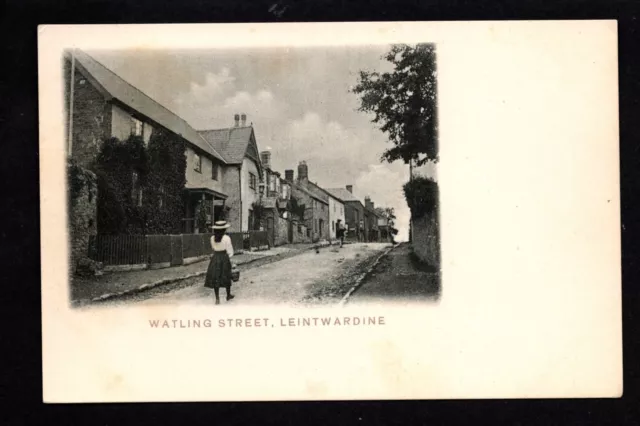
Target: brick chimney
{"points": [[236, 119], [243, 117], [265, 158], [350, 188], [303, 171], [367, 202], [288, 175]]}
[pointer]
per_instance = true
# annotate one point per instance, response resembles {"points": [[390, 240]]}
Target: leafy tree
{"points": [[404, 103], [390, 215]]}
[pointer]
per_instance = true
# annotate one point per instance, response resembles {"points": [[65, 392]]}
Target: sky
{"points": [[298, 100]]}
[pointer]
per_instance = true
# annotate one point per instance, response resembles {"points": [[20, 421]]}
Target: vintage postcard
{"points": [[330, 211]]}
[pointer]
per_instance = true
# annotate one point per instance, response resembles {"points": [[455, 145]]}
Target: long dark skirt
{"points": [[219, 271]]}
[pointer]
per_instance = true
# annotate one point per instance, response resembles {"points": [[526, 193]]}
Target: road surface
{"points": [[307, 279]]}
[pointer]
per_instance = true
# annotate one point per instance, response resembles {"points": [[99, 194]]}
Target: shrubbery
{"points": [[422, 196]]}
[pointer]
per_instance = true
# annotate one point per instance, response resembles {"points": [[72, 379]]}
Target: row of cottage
{"points": [[226, 174]]}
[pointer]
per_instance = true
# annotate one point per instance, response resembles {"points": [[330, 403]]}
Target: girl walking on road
{"points": [[219, 271]]}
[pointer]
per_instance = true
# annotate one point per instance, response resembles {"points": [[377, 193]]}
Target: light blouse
{"points": [[224, 244]]}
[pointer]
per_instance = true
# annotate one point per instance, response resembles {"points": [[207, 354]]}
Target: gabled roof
{"points": [[342, 194], [306, 191], [232, 143], [117, 88], [316, 190]]}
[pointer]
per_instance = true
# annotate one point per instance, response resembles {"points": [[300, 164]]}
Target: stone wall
{"points": [[82, 204], [91, 118], [281, 231], [426, 239], [300, 234], [354, 213]]}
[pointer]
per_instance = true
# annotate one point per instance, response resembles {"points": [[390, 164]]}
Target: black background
{"points": [[21, 391]]}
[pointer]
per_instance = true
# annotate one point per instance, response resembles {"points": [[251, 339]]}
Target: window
{"points": [[214, 171], [197, 163], [252, 181], [272, 183], [333, 225], [136, 127]]}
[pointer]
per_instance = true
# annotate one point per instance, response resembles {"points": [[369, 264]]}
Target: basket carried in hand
{"points": [[235, 274]]}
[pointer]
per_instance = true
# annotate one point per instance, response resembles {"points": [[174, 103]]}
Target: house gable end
{"points": [[89, 77]]}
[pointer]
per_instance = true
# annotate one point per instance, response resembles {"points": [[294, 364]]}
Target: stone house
{"points": [[383, 226], [353, 212], [372, 231], [336, 209], [274, 195], [316, 202], [100, 105], [243, 171]]}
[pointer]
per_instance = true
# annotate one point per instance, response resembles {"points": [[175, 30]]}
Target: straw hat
{"points": [[221, 224]]}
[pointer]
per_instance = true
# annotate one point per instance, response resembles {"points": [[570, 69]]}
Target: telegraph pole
{"points": [[71, 92]]}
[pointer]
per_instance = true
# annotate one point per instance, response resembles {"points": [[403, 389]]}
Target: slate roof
{"points": [[117, 88], [232, 143], [342, 194], [316, 190], [306, 191]]}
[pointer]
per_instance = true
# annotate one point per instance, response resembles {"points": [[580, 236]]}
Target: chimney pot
{"points": [[288, 175], [243, 117], [303, 171], [350, 188], [236, 119], [265, 157]]}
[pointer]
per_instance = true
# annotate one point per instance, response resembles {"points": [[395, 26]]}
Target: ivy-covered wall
{"points": [[422, 196], [82, 192], [141, 188]]}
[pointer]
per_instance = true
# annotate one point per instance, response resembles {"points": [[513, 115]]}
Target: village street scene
{"points": [[318, 164]]}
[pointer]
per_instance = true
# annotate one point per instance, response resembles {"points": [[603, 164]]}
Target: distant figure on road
{"points": [[219, 271], [340, 231]]}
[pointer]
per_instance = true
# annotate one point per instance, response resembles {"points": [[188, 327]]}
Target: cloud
{"points": [[214, 84], [383, 183], [320, 138], [214, 103]]}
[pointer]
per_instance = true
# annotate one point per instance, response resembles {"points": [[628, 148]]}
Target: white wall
{"points": [[121, 125], [202, 179], [336, 211], [248, 195]]}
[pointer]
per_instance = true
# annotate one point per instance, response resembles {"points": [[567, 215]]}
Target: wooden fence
{"points": [[114, 250]]}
